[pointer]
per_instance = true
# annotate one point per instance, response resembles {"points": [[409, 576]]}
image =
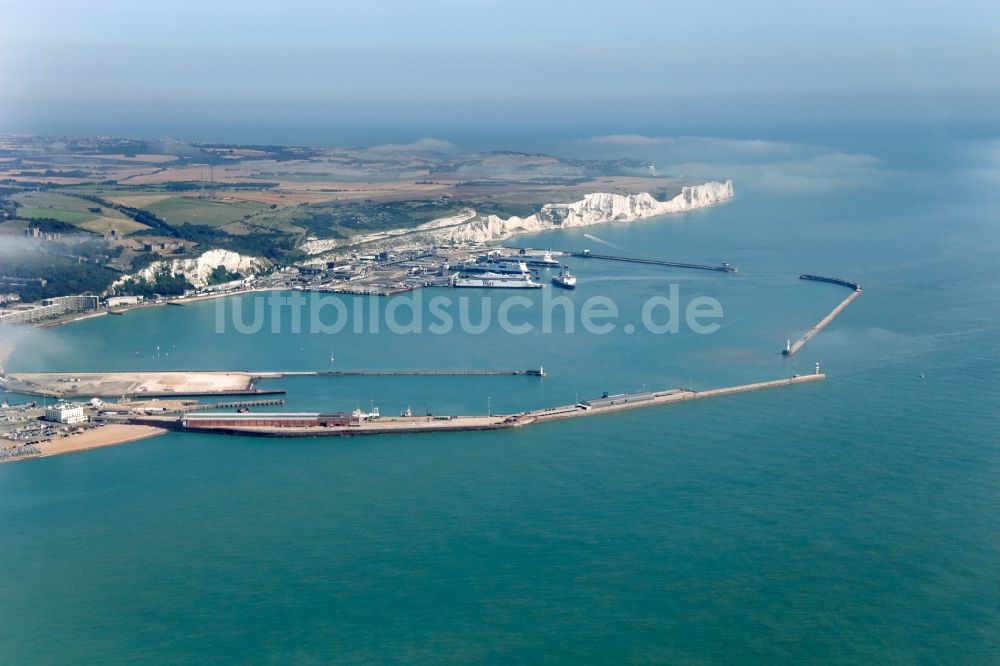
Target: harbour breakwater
{"points": [[792, 347], [423, 424]]}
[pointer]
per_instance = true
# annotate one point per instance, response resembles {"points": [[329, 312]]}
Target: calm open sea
{"points": [[853, 520]]}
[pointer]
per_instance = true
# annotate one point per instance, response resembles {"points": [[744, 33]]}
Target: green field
{"points": [[176, 211], [75, 211], [88, 222], [55, 201], [67, 216]]}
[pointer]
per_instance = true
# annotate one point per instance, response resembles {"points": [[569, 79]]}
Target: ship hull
{"points": [[485, 283], [533, 260]]}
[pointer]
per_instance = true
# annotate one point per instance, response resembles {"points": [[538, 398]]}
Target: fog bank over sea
{"points": [[511, 123]]}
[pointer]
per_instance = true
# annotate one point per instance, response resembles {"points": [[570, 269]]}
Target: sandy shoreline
{"points": [[94, 438]]}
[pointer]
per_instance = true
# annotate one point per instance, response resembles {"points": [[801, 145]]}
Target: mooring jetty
{"points": [[792, 347], [530, 372], [239, 404], [587, 254]]}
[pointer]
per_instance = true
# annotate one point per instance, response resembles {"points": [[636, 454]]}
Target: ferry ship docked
{"points": [[498, 266], [537, 259], [564, 279], [496, 280]]}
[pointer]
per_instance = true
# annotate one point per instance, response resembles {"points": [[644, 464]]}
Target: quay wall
{"points": [[478, 423]]}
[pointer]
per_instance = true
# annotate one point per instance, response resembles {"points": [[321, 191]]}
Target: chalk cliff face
{"points": [[198, 269], [592, 209]]}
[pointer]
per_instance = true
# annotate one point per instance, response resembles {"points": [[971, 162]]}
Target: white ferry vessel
{"points": [[496, 280], [537, 259], [500, 266]]}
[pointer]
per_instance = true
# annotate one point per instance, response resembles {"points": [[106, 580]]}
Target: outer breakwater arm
{"points": [[665, 397], [791, 348]]}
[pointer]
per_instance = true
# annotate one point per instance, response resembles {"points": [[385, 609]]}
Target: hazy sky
{"points": [[390, 59]]}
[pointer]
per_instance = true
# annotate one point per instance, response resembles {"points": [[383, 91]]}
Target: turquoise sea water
{"points": [[852, 520]]}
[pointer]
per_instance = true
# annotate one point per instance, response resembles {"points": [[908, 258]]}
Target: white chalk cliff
{"points": [[198, 269], [595, 208]]}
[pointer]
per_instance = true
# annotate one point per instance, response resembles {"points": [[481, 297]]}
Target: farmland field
{"points": [[70, 209], [136, 200], [255, 199], [68, 216], [102, 225], [188, 210], [55, 202]]}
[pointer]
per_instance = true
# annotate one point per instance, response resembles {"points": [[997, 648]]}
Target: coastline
{"points": [[181, 300], [111, 434], [472, 228], [7, 348], [594, 209]]}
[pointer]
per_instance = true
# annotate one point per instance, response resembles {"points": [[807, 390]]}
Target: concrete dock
{"points": [[232, 405], [418, 424], [531, 372]]}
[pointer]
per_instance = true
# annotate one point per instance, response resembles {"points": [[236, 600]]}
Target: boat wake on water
{"points": [[603, 242]]}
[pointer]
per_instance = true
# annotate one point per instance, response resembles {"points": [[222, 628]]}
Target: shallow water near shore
{"points": [[850, 520]]}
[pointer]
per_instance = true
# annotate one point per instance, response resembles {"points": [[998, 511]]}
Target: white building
{"points": [[115, 301], [48, 308], [65, 412]]}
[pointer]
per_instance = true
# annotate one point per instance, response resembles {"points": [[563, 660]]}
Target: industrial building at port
{"points": [[273, 420]]}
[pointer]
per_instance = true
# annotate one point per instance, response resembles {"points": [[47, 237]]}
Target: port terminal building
{"points": [[272, 420], [65, 412]]}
